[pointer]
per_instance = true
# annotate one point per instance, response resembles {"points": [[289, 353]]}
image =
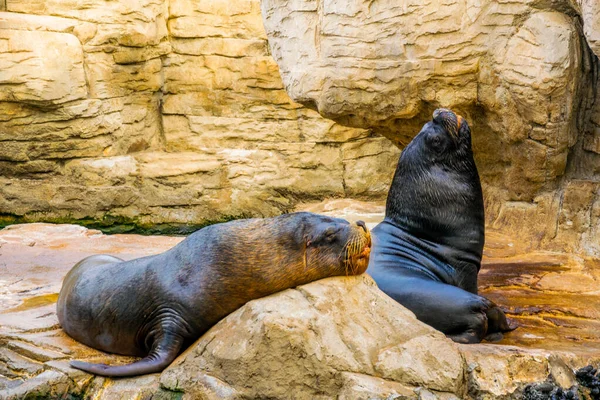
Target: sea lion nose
{"points": [[449, 120], [442, 114], [362, 225]]}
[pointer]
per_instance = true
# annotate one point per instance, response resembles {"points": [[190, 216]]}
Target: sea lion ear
{"points": [[463, 127], [464, 133], [307, 239]]}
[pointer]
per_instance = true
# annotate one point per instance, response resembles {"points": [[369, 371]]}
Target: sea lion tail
{"points": [[159, 358]]}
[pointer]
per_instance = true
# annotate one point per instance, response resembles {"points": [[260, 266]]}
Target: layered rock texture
{"points": [[338, 338], [524, 73], [155, 112]]}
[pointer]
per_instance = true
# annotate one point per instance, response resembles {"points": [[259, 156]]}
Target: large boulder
{"points": [[316, 341]]}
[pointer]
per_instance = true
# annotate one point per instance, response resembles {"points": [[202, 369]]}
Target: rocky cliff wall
{"points": [[524, 73], [142, 113]]}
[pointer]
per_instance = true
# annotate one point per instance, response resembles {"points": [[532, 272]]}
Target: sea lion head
{"points": [[337, 244], [436, 192], [443, 142]]}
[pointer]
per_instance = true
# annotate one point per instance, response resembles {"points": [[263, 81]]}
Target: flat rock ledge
{"points": [[336, 338]]}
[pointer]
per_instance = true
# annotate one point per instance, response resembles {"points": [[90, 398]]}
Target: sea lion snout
{"points": [[339, 244], [358, 248], [442, 115], [449, 120], [363, 232]]}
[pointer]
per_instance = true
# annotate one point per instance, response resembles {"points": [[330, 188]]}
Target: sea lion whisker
{"points": [[345, 254]]}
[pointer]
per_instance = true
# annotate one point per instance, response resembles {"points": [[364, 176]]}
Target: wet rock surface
{"points": [[340, 336]]}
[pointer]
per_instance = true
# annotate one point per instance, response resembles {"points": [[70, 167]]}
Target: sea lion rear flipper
{"points": [[163, 352], [497, 321]]}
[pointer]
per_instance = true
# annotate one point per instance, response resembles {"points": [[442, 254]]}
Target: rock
{"points": [[496, 372], [141, 387], [32, 71], [547, 390], [365, 387], [588, 377], [12, 365], [301, 341], [409, 55], [590, 13], [435, 365], [367, 166], [291, 345], [49, 384], [163, 113]]}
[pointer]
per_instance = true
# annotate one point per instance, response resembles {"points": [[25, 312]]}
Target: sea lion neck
{"points": [[438, 202]]}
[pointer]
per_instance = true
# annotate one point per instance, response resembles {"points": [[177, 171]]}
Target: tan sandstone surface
{"points": [[336, 337], [524, 74], [142, 113]]}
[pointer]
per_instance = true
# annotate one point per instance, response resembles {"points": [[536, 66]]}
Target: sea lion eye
{"points": [[324, 236], [435, 141], [330, 234]]}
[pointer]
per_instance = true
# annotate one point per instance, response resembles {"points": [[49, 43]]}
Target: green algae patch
{"points": [[111, 224]]}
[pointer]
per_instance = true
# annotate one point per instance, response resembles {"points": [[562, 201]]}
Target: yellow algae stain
{"points": [[34, 302]]}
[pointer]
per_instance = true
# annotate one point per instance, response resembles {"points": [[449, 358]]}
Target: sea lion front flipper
{"points": [[163, 352]]}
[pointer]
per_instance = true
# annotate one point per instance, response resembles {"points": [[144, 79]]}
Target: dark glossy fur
{"points": [[427, 252], [155, 306]]}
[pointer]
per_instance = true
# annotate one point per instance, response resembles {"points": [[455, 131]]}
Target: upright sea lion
{"points": [[427, 251], [155, 306]]}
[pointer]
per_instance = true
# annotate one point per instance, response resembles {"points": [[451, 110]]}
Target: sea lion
{"points": [[427, 251], [156, 306]]}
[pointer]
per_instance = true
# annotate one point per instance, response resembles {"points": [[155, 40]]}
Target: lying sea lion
{"points": [[427, 251], [156, 306]]}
